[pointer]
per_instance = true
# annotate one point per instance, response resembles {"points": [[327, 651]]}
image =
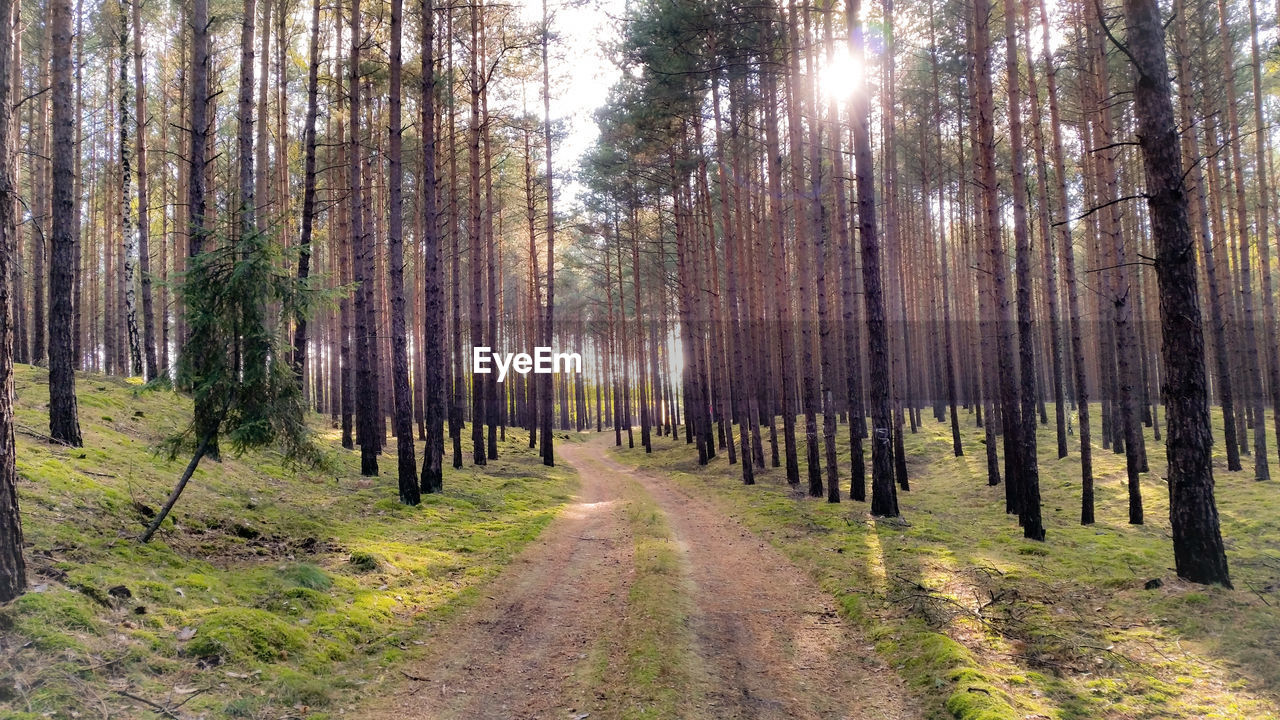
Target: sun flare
{"points": [[840, 75]]}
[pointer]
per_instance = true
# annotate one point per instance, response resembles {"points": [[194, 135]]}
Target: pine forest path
{"points": [[763, 640]]}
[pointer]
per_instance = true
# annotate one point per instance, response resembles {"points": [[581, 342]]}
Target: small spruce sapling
{"points": [[239, 299]]}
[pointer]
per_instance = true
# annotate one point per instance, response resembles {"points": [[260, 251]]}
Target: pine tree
{"points": [[64, 423]]}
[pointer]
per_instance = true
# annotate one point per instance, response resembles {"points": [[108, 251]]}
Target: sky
{"points": [[581, 75]]}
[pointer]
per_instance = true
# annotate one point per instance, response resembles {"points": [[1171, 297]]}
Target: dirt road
{"points": [[767, 642]]}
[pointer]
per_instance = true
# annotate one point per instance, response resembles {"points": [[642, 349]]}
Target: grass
{"points": [[991, 626], [271, 592], [646, 667]]}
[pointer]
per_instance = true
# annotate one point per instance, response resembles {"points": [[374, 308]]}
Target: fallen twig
{"points": [[156, 706]]}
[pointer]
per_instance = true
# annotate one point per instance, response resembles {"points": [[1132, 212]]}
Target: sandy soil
{"points": [[768, 640]]}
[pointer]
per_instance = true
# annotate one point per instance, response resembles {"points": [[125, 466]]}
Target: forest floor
{"points": [[645, 601], [274, 592], [1091, 624]]}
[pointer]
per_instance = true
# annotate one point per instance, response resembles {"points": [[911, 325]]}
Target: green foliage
{"points": [[235, 363]]}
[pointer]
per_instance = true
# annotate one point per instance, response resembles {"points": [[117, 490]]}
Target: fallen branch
{"points": [[32, 432], [154, 705]]}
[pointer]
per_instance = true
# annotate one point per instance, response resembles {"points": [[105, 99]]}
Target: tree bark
{"points": [[13, 569], [1028, 487], [434, 409], [308, 188], [128, 235], [367, 422], [151, 365], [64, 423], [884, 494], [407, 463], [1197, 542], [548, 451]]}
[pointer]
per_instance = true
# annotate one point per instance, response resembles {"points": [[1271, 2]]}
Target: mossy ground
{"points": [[271, 592], [992, 626]]}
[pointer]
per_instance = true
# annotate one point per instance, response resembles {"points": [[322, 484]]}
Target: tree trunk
{"points": [[151, 365], [1028, 488], [130, 252], [1003, 325], [884, 494], [1197, 543], [1069, 269], [367, 422], [13, 569], [548, 451], [1253, 374], [804, 231], [64, 423], [407, 464], [308, 188], [434, 409], [476, 256]]}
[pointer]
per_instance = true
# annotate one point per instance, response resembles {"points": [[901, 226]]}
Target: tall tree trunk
{"points": [[144, 208], [407, 463], [479, 386], [548, 451], [1197, 542], [261, 190], [1081, 386], [367, 420], [206, 419], [737, 382], [1198, 206], [1253, 374], [1124, 346], [1048, 252], [884, 494], [804, 231], [130, 251], [64, 423], [1028, 487], [308, 188], [78, 278], [434, 407], [781, 296], [1263, 223], [13, 569], [1003, 325], [247, 209], [38, 177]]}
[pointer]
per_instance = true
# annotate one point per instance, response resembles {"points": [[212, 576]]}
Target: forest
{"points": [[770, 359]]}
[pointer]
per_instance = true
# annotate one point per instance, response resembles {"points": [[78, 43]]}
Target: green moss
{"points": [[240, 634], [1061, 629], [54, 620], [978, 701], [364, 561], [254, 558], [298, 689], [307, 576]]}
